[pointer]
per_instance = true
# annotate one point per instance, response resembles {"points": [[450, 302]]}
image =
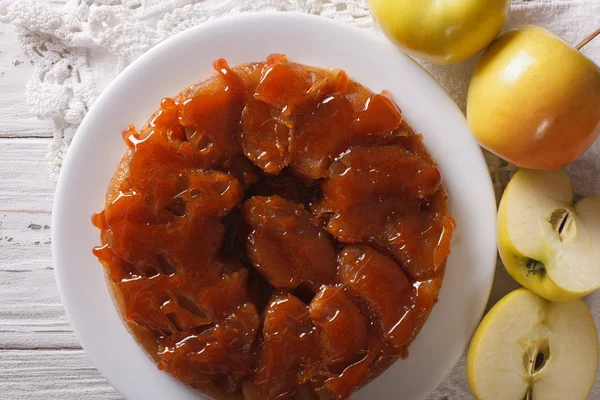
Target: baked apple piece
{"points": [[382, 285], [320, 136], [291, 352], [210, 115], [282, 84], [393, 198], [185, 238], [180, 302], [265, 137], [373, 113], [342, 328], [285, 91], [341, 386], [184, 242], [329, 128], [285, 244], [225, 349]]}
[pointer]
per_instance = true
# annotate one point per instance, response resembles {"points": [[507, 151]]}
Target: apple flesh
{"points": [[440, 31], [548, 244], [534, 100], [529, 348]]}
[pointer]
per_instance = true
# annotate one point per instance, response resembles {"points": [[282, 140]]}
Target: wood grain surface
{"points": [[40, 358]]}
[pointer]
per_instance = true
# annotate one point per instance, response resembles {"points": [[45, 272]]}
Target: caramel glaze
{"points": [[275, 231]]}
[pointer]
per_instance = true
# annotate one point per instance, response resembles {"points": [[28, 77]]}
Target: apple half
{"points": [[547, 243], [527, 348]]}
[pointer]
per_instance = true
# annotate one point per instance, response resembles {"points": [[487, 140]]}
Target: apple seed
{"points": [[535, 359]]}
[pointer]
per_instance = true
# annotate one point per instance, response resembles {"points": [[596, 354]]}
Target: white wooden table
{"points": [[40, 357]]}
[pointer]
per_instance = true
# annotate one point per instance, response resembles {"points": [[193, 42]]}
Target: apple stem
{"points": [[588, 39]]}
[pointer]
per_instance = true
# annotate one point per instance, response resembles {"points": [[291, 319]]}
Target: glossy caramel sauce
{"points": [[275, 231]]}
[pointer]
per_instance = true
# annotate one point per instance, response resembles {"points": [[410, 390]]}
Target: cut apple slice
{"points": [[527, 348], [548, 244]]}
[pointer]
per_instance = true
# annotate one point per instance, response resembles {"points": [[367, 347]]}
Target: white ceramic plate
{"points": [[186, 58]]}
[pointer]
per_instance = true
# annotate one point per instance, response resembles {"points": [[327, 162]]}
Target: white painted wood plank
{"points": [[51, 374], [24, 181], [40, 358], [24, 241], [31, 315], [15, 71]]}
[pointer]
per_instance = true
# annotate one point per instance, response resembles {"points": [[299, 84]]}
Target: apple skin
{"points": [[440, 31], [513, 261], [534, 100], [557, 189], [515, 330]]}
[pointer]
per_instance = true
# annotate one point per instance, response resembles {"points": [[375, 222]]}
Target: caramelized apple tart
{"points": [[275, 231]]}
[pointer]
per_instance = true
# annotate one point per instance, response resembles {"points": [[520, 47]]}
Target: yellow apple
{"points": [[548, 244], [440, 31], [534, 100], [527, 348]]}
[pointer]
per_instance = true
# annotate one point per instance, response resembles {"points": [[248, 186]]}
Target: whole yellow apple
{"points": [[441, 31], [534, 100]]}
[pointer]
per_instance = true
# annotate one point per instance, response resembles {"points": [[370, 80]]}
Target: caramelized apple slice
{"points": [[291, 87], [178, 302], [337, 122], [229, 352], [219, 298], [374, 113], [282, 84], [223, 349], [382, 285], [377, 172], [420, 241], [353, 377], [290, 354], [390, 197], [320, 136], [212, 114], [286, 246], [343, 329], [212, 193], [187, 243], [265, 136], [188, 233], [156, 168]]}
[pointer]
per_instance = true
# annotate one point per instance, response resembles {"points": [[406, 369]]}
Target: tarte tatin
{"points": [[275, 231]]}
